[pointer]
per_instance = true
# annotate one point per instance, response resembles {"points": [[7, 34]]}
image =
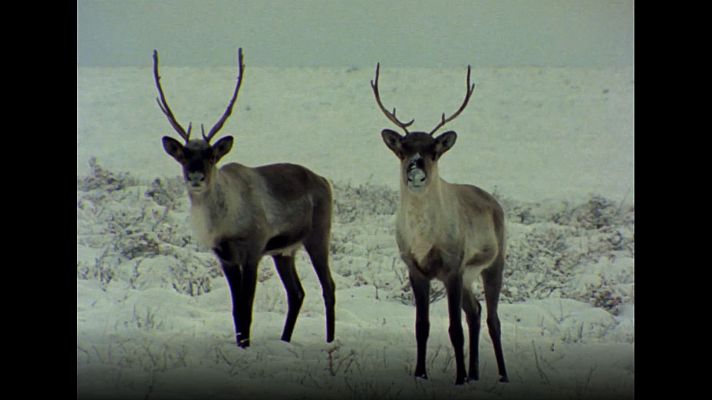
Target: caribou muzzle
{"points": [[415, 173], [195, 181]]}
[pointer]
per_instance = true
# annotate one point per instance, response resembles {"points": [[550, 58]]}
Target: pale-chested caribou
{"points": [[450, 232], [244, 213]]}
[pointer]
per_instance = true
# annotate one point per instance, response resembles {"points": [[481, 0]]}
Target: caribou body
{"points": [[245, 213], [450, 232]]}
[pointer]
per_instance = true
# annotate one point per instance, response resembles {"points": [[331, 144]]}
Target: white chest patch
{"points": [[419, 233], [200, 222], [216, 215]]}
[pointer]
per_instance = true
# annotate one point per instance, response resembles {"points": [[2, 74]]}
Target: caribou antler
{"points": [[470, 90], [227, 113], [164, 105], [390, 116]]}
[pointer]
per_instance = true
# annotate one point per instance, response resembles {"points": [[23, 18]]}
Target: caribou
{"points": [[450, 232], [245, 213]]}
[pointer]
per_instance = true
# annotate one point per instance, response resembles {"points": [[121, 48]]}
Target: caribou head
{"points": [[419, 151], [197, 156]]}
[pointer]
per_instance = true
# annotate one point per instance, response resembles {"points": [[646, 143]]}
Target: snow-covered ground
{"points": [[555, 145]]}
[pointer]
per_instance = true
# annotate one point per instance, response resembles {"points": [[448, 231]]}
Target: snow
{"points": [[555, 145]]}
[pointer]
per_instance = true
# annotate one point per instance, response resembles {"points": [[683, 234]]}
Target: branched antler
{"points": [[390, 116], [164, 105], [227, 113], [470, 90]]}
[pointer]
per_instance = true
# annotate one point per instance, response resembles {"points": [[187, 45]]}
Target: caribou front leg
{"points": [[233, 274], [241, 273], [246, 298], [421, 292]]}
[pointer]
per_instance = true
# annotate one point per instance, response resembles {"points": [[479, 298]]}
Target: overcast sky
{"points": [[421, 33]]}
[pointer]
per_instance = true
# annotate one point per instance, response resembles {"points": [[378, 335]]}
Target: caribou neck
{"points": [[215, 213]]}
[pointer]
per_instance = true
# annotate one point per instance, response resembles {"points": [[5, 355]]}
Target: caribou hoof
{"points": [[421, 375], [243, 343], [472, 379]]}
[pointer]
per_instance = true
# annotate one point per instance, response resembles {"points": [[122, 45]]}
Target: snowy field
{"points": [[555, 145]]}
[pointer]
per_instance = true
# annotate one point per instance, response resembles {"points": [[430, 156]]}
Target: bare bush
{"points": [[351, 203], [100, 178], [555, 248]]}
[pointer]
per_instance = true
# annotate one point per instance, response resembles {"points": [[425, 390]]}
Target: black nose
{"points": [[196, 177], [416, 163]]}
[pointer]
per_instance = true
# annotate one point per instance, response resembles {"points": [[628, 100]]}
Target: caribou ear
{"points": [[173, 148], [222, 147], [392, 140], [444, 142]]}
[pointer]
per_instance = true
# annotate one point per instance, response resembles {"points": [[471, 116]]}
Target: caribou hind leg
{"points": [[318, 250], [492, 279], [473, 313], [295, 293], [316, 243], [454, 290]]}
